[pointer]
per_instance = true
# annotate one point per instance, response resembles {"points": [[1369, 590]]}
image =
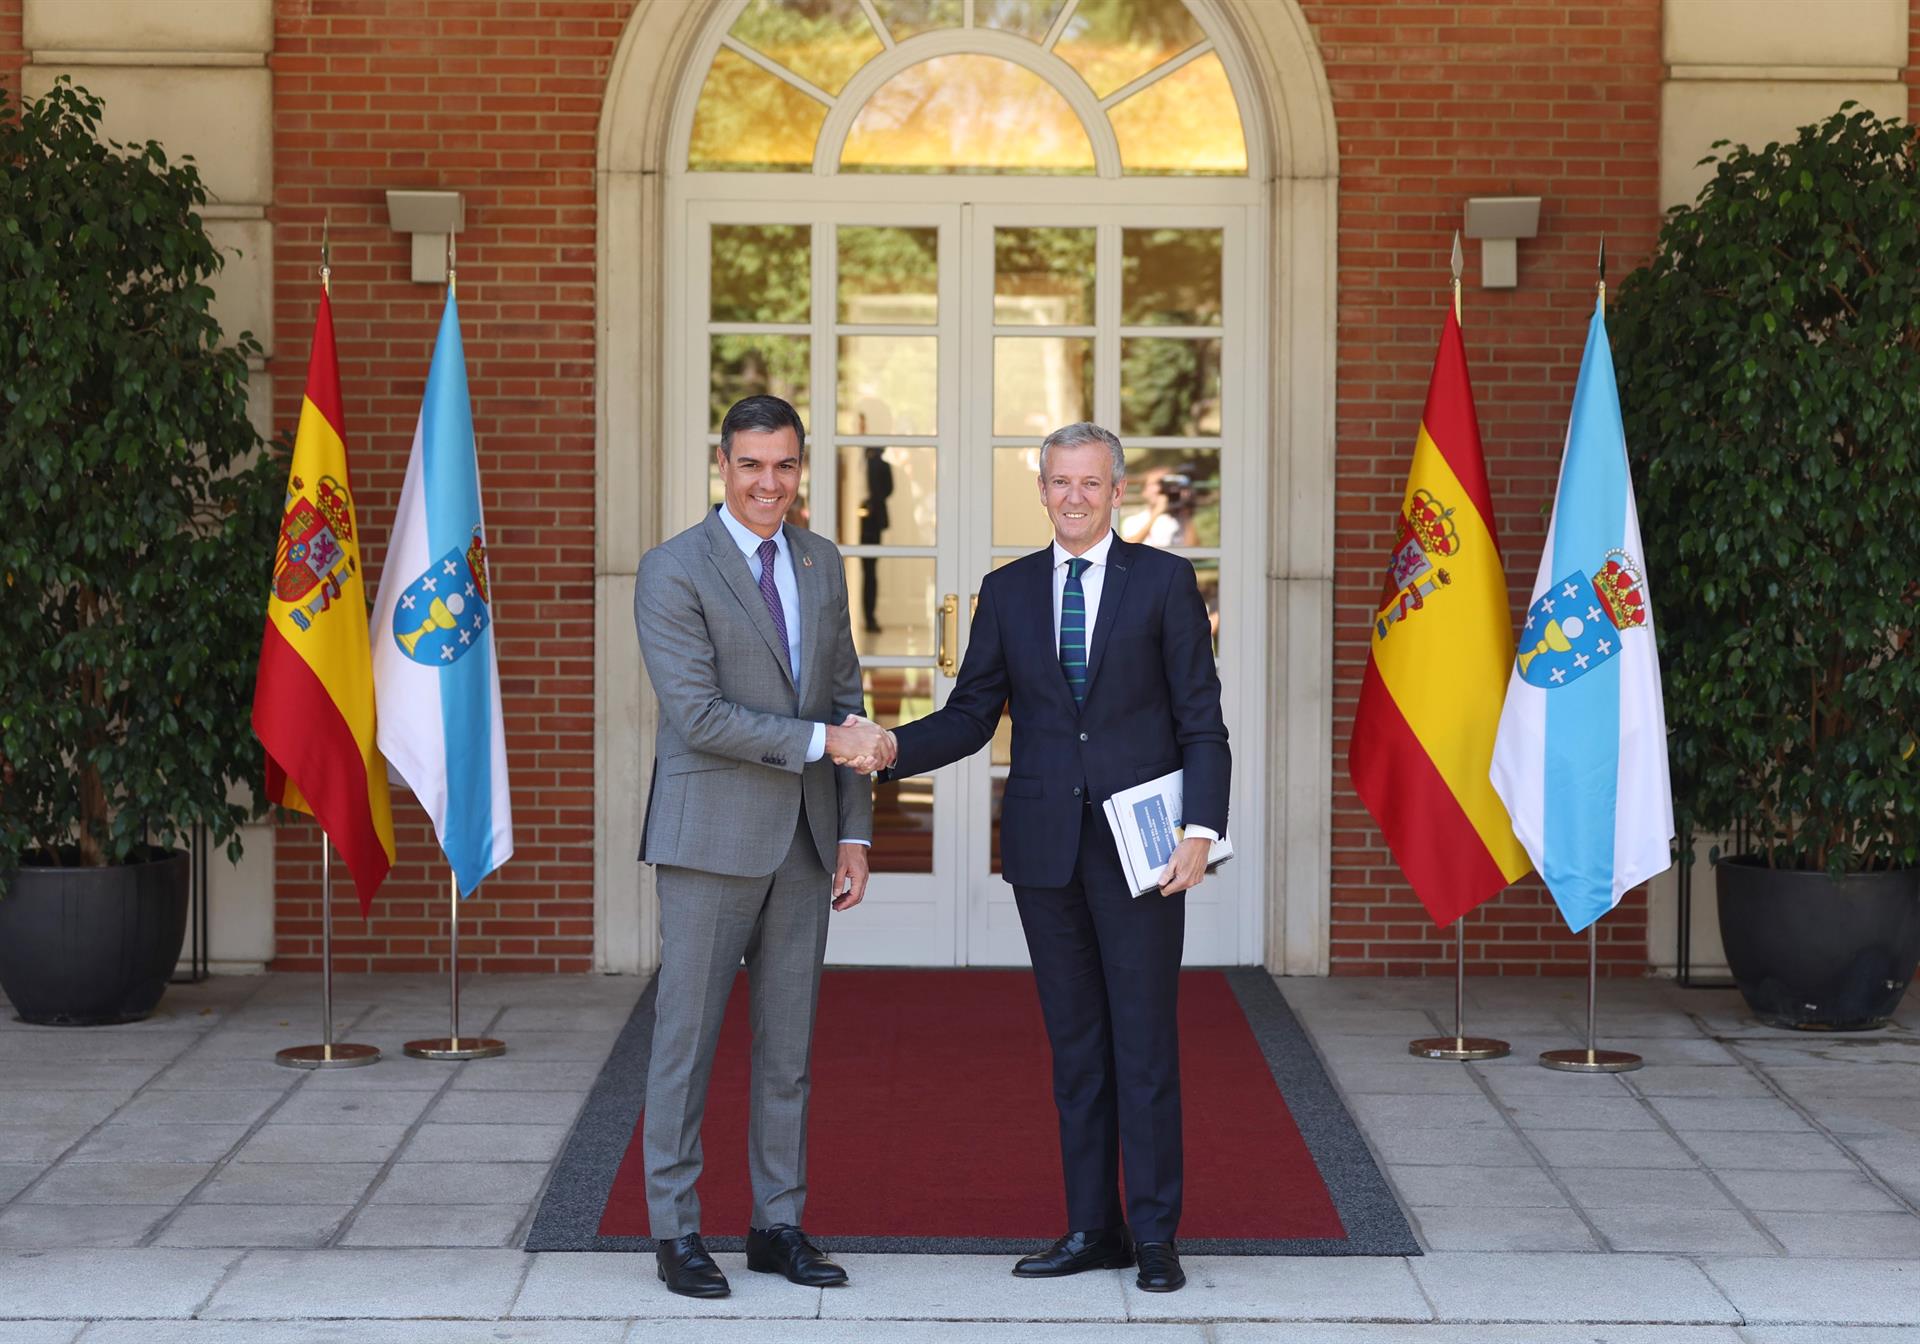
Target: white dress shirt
{"points": [[785, 584], [1092, 579]]}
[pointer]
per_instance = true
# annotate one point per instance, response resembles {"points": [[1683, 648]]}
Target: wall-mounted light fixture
{"points": [[1498, 221], [430, 216]]}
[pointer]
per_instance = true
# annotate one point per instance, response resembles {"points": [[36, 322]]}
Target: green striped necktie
{"points": [[1073, 630]]}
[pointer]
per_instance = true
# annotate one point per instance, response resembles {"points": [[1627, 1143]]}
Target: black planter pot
{"points": [[86, 946], [1819, 953]]}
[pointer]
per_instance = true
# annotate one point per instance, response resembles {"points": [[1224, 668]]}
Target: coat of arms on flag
{"points": [[442, 612], [1580, 621], [311, 552]]}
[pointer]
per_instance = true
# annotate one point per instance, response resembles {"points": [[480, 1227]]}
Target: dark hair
{"points": [[763, 415]]}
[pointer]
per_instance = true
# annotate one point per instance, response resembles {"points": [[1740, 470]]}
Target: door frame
{"points": [[1287, 111]]}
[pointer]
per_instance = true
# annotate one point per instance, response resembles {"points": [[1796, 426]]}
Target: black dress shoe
{"points": [[1077, 1252], [784, 1249], [687, 1269], [1160, 1270]]}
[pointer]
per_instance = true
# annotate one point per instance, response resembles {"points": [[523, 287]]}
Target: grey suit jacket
{"points": [[730, 764]]}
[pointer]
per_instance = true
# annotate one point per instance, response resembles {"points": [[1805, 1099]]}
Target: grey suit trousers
{"points": [[708, 923]]}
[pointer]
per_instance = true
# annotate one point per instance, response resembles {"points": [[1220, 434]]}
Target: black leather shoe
{"points": [[1076, 1253], [1160, 1270], [687, 1269], [784, 1249]]}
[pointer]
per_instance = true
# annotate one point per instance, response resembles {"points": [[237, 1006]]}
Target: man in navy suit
{"points": [[1102, 652]]}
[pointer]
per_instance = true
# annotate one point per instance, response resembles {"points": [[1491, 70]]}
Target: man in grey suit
{"points": [[744, 627]]}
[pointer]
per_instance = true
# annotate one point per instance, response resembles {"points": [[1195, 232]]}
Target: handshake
{"points": [[861, 744]]}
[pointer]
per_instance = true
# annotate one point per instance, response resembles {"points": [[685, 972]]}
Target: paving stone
{"points": [[38, 1145], [251, 1225], [913, 1332], [290, 1183], [17, 1176], [456, 1182], [1237, 1333], [1728, 1113], [196, 1108], [1391, 1079], [507, 1108], [1640, 1188], [484, 1143], [1382, 1113], [1737, 1150], [1494, 1229], [439, 1225], [40, 1332], [1809, 1192], [1581, 1112], [1284, 1288], [609, 1284], [1475, 1187], [511, 1075], [64, 1076], [34, 1227], [1556, 1287], [1810, 1290], [1680, 1231], [275, 1142], [1831, 1334], [967, 1287], [158, 1143], [194, 1074], [51, 1109], [1578, 1148], [1521, 1076], [1451, 1147], [1697, 1080], [458, 1285], [1861, 1235], [142, 1284], [548, 1047], [353, 1108], [118, 1183], [362, 1332]]}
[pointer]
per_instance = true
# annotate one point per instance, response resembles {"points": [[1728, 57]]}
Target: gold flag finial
{"points": [[326, 252], [1603, 274]]}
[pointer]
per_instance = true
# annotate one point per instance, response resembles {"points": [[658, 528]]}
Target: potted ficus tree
{"points": [[140, 521], [1769, 363]]}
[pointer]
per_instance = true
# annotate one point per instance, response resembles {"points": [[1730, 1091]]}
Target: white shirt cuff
{"points": [[867, 843], [1202, 833], [817, 744]]}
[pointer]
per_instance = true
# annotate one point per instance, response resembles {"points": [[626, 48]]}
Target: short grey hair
{"points": [[1077, 435]]}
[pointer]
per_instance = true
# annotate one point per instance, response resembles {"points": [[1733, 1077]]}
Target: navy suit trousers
{"points": [[1107, 965]]}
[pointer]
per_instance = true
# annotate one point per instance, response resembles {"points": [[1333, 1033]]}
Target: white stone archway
{"points": [[1292, 104]]}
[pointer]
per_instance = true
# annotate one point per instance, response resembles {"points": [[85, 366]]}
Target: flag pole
{"points": [[453, 1045], [326, 1055], [1591, 1060]]}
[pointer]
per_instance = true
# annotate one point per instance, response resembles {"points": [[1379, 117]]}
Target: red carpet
{"points": [[933, 1117]]}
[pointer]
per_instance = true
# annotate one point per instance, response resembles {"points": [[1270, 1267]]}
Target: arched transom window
{"points": [[1105, 88]]}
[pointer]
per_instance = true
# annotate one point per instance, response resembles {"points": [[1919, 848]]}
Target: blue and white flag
{"points": [[436, 680], [1581, 757]]}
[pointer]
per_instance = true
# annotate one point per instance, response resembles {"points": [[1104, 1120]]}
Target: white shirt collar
{"points": [[1095, 554], [746, 539]]}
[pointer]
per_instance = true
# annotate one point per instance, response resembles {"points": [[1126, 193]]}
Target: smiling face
{"points": [[1080, 494], [761, 478]]}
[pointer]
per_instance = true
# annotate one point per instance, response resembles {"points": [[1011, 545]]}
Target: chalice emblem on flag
{"points": [[441, 613], [1580, 622]]}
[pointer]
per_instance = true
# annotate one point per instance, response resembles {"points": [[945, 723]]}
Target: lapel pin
{"points": [[806, 562]]}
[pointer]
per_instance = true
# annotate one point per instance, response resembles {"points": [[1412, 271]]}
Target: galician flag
{"points": [[313, 707], [1581, 760], [434, 667], [1437, 664]]}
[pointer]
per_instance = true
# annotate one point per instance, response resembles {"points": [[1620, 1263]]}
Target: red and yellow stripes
{"points": [[1437, 669], [313, 699]]}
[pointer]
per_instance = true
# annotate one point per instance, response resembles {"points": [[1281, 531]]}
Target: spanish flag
{"points": [[1442, 647], [313, 701]]}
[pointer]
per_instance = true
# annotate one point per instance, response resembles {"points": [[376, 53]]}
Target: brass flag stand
{"points": [[1591, 1060], [453, 1045], [1459, 1046], [328, 1054]]}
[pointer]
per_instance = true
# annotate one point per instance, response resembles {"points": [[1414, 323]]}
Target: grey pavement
{"points": [[166, 1183]]}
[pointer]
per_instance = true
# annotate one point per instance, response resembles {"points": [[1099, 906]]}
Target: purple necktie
{"points": [[772, 594]]}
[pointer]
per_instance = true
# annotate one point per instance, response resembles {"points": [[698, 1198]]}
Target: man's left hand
{"points": [[850, 877], [1187, 868]]}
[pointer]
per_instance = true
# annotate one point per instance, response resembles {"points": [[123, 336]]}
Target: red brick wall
{"points": [[12, 54], [1436, 103], [501, 102]]}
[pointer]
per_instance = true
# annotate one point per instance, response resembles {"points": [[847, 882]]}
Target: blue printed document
{"points": [[1147, 824]]}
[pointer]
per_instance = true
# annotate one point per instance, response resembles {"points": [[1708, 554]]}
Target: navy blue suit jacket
{"points": [[1153, 705]]}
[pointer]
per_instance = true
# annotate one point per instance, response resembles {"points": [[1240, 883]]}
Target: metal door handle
{"points": [[973, 608], [950, 635]]}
